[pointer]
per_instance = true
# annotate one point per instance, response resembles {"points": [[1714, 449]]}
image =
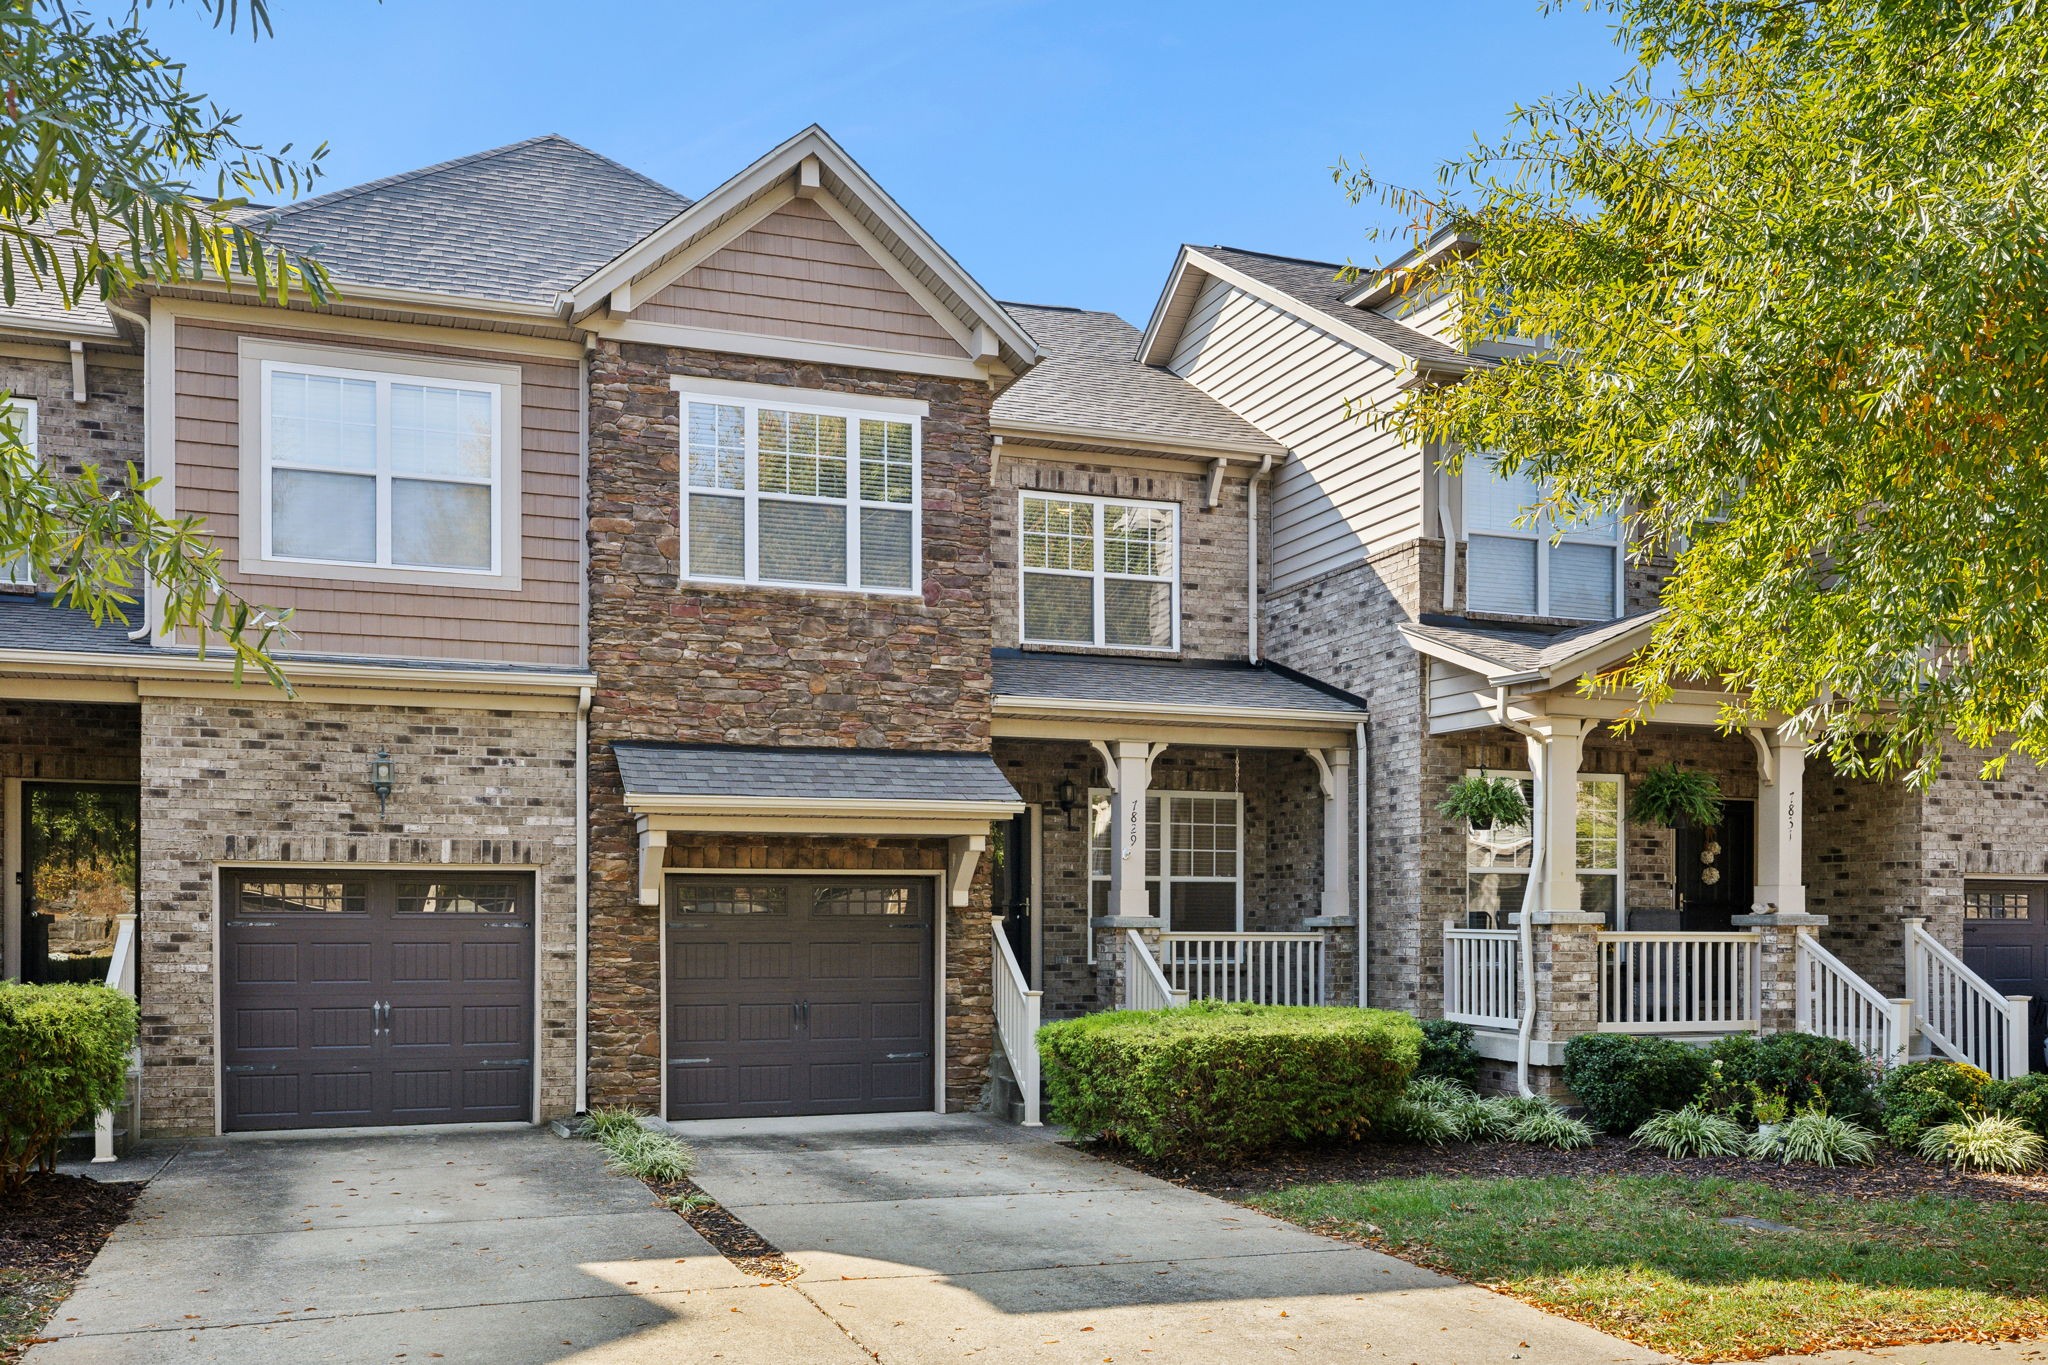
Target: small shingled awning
{"points": [[1068, 696]]}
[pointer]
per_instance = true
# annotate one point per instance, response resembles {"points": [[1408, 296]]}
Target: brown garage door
{"points": [[352, 999], [798, 996], [2005, 941]]}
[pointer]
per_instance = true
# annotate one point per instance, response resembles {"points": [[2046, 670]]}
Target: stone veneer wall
{"points": [[1283, 853], [66, 742], [252, 781], [1341, 628], [1213, 545], [745, 665]]}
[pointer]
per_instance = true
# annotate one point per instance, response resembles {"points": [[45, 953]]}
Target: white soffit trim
{"points": [[1247, 452], [1111, 711], [802, 808], [786, 393], [1176, 298], [783, 164], [786, 348]]}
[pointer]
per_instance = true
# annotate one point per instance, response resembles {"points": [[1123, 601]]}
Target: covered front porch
{"points": [[1583, 920]]}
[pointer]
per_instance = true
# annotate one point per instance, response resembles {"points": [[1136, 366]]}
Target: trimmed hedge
{"points": [[1448, 1054], [1923, 1095], [1805, 1068], [63, 1058], [1220, 1082], [1623, 1080], [2024, 1098]]}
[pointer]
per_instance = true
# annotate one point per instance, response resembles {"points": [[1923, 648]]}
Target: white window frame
{"points": [[1619, 872], [1543, 535], [1165, 878], [853, 409], [1099, 575], [261, 358], [21, 573]]}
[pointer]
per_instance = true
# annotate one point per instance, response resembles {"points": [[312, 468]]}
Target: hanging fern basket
{"points": [[1483, 802], [1673, 796]]}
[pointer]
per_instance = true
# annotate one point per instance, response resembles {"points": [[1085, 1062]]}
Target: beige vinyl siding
{"points": [[1454, 699], [1437, 318], [797, 273], [541, 623], [1350, 489]]}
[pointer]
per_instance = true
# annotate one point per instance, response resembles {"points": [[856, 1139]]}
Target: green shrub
{"points": [[1691, 1131], [2024, 1098], [606, 1120], [648, 1154], [1437, 1090], [1223, 1081], [1623, 1080], [1923, 1095], [1414, 1120], [1546, 1125], [1487, 1120], [1984, 1142], [1818, 1137], [63, 1058], [1447, 1052], [1807, 1069]]}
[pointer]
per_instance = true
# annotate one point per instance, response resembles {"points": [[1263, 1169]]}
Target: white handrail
{"points": [[120, 977], [1679, 983], [1145, 986], [1833, 1001], [1482, 977], [1264, 969], [1017, 1008], [1960, 1012]]}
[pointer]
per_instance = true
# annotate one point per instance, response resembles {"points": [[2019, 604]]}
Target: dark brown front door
{"points": [[353, 999], [1716, 870], [798, 995], [2005, 941]]}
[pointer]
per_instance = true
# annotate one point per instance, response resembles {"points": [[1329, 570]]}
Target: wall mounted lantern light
{"points": [[1069, 797], [380, 779]]}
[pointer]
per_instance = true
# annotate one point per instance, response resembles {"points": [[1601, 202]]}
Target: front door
{"points": [[1010, 868], [798, 995], [79, 844], [1716, 871], [2005, 941]]}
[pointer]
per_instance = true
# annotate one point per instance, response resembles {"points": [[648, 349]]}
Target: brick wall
{"points": [[1213, 545], [104, 432], [770, 666], [234, 782]]}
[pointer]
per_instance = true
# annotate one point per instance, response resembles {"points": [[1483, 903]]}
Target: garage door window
{"points": [[457, 898], [865, 900], [690, 898], [304, 898]]}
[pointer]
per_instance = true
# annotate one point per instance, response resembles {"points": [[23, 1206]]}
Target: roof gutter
{"points": [[1251, 558], [1235, 451], [219, 669]]}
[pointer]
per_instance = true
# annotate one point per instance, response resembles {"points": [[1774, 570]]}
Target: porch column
{"points": [[1555, 762], [1780, 824], [1133, 763], [1334, 768]]}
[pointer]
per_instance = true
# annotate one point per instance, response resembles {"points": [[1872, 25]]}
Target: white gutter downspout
{"points": [[1363, 751], [1525, 1028], [1252, 556], [583, 698]]}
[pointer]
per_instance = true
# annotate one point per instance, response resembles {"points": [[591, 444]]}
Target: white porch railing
{"points": [[1264, 969], [1961, 1013], [1145, 986], [121, 977], [1834, 1002], [1482, 977], [1017, 1021], [1679, 983]]}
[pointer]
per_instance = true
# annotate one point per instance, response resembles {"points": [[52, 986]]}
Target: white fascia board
{"points": [[1609, 650], [1378, 284], [1154, 340], [1248, 452], [1111, 711], [1489, 669], [800, 808], [219, 667], [1295, 308]]}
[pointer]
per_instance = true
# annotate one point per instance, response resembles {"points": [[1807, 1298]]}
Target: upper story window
{"points": [[22, 572], [800, 489], [379, 467], [1526, 570], [1099, 571]]}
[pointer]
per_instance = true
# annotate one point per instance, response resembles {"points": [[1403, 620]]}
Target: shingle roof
{"points": [[37, 623], [1527, 649], [732, 770], [516, 224], [1076, 677], [1090, 379], [1315, 284], [38, 307]]}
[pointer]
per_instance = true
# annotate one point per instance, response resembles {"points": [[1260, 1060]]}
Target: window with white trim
{"points": [[1194, 879], [800, 494], [1099, 571], [1524, 568], [22, 572], [380, 467], [1497, 859]]}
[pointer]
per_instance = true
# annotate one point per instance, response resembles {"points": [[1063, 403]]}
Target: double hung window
{"points": [[1099, 571], [1528, 569]]}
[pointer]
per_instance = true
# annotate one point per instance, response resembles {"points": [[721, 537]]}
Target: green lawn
{"points": [[1646, 1257]]}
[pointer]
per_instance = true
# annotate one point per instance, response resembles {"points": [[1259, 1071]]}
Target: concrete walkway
{"points": [[956, 1239], [490, 1246]]}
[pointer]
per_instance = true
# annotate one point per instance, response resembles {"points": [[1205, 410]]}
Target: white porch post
{"points": [[1780, 824], [1557, 770], [1127, 830], [1336, 779]]}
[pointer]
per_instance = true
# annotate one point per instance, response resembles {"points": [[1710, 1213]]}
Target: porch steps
{"points": [[1005, 1096]]}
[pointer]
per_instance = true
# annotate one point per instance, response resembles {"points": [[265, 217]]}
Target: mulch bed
{"points": [[729, 1237], [1892, 1176], [50, 1229]]}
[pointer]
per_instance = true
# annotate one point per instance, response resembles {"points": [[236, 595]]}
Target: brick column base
{"points": [[1340, 957], [1778, 965], [1567, 981], [1110, 945]]}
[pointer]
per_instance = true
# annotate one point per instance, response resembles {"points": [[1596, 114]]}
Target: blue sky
{"points": [[1060, 150]]}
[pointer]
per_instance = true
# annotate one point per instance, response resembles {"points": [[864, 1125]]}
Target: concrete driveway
{"points": [[956, 1239], [488, 1246]]}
